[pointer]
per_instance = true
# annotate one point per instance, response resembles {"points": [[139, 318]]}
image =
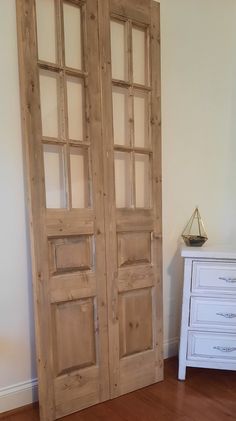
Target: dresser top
{"points": [[209, 252]]}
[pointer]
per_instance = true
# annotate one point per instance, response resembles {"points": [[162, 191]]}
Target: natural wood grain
{"points": [[135, 313], [138, 10], [69, 273], [32, 134], [71, 254], [206, 395], [155, 63], [74, 335], [130, 265], [134, 248], [109, 192], [71, 314], [72, 286]]}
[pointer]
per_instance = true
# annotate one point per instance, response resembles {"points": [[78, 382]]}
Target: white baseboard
{"points": [[171, 348], [21, 394], [18, 395]]}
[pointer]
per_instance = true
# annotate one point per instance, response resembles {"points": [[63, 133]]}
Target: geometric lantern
{"points": [[194, 233]]}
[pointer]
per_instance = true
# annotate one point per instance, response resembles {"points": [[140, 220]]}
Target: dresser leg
{"points": [[182, 372]]}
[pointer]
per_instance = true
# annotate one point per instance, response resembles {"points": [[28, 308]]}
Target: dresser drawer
{"points": [[214, 276], [217, 346], [212, 313]]}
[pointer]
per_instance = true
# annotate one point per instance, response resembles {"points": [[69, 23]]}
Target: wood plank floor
{"points": [[206, 395]]}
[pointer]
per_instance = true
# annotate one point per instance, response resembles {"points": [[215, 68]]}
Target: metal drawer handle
{"points": [[225, 348], [227, 315], [230, 280]]}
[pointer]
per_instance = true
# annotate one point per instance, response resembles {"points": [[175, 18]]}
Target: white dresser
{"points": [[208, 326]]}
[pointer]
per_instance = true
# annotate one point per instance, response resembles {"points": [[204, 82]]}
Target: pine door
{"points": [[130, 60], [90, 92], [61, 110]]}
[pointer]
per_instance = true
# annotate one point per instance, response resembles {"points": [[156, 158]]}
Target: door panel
{"points": [[133, 190], [135, 324], [73, 326], [61, 110]]}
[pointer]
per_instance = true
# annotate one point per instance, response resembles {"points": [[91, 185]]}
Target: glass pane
{"points": [[141, 119], [120, 116], [123, 179], [142, 181], [118, 50], [73, 36], [76, 108], [79, 177], [139, 55], [46, 30], [54, 176], [49, 102]]}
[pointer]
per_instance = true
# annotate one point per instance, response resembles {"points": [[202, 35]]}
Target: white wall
{"points": [[17, 355], [199, 132]]}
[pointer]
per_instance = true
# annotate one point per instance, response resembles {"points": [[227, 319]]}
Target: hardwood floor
{"points": [[206, 395]]}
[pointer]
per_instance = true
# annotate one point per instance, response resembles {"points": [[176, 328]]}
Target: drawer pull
{"points": [[225, 348], [230, 280], [227, 315]]}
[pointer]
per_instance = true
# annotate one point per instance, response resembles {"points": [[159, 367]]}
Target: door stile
{"points": [[31, 128], [155, 55], [94, 100], [109, 194]]}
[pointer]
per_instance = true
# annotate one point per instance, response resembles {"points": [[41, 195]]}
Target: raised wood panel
{"points": [[135, 321], [74, 345], [134, 248], [71, 254]]}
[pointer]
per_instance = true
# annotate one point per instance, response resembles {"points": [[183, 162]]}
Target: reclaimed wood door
{"points": [[130, 62], [61, 108], [90, 93]]}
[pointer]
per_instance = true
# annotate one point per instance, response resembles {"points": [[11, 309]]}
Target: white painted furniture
{"points": [[208, 327]]}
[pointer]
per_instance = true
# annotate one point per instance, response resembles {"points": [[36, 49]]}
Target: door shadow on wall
{"points": [[175, 272], [33, 365]]}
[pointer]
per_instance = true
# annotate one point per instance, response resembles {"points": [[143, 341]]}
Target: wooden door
{"points": [[61, 109], [91, 125], [130, 63]]}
